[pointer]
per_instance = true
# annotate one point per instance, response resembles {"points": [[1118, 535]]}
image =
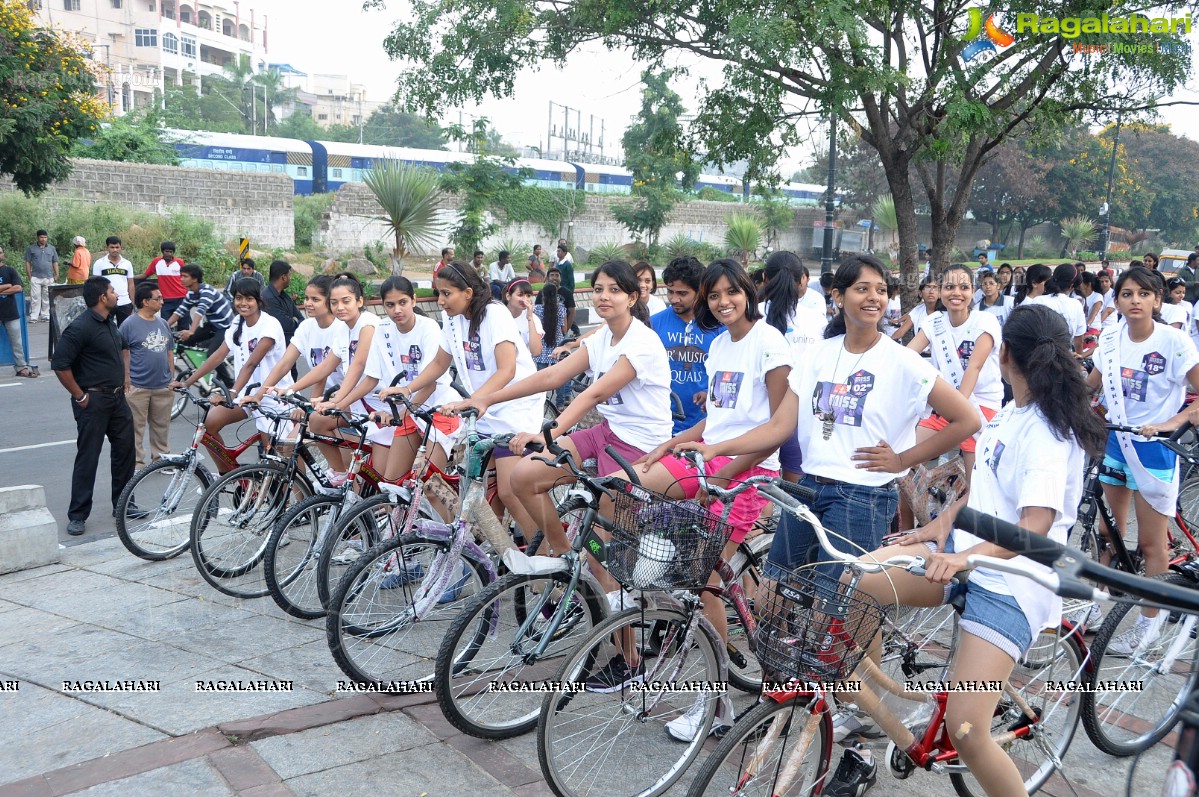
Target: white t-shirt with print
{"points": [[1109, 300], [1067, 308], [395, 353], [1088, 304], [805, 328], [988, 390], [267, 327], [120, 274], [522, 326], [1177, 314], [475, 359], [737, 397], [892, 315], [880, 394], [1021, 463], [1153, 373], [813, 299], [364, 321], [315, 344], [1001, 309], [638, 413]]}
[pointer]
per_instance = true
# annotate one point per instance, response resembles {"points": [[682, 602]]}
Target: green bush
{"points": [[602, 253], [680, 246], [716, 195], [308, 210]]}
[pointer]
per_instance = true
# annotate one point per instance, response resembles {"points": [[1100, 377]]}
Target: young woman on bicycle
{"points": [[965, 347], [321, 339], [518, 297], [481, 339], [1056, 297], [405, 344], [256, 340], [1143, 368], [630, 388], [347, 300], [1029, 471]]}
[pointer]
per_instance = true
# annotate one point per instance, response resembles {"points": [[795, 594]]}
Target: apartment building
{"points": [[147, 45], [330, 99]]}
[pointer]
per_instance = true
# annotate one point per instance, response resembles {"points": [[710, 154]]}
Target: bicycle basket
{"points": [[814, 628], [660, 543]]}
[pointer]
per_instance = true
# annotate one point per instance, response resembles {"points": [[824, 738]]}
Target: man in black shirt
{"points": [[89, 361], [279, 305]]}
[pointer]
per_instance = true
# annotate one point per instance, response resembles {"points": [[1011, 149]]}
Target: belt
{"points": [[120, 389], [822, 480]]}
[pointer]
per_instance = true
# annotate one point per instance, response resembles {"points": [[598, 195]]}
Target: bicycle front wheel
{"points": [[290, 563], [233, 520], [484, 657], [1043, 680], [778, 749], [155, 509], [1138, 694], [369, 522], [604, 736]]}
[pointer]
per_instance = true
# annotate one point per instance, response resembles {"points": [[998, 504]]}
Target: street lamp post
{"points": [[1105, 232], [826, 256]]}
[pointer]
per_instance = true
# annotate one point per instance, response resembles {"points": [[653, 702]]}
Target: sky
{"points": [[595, 81]]}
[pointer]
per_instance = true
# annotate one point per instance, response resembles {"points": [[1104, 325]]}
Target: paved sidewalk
{"points": [[104, 615]]}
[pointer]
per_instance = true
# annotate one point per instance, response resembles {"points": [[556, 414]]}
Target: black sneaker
{"points": [[615, 675], [854, 776]]}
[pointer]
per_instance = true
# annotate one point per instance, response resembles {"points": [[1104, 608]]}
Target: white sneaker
{"points": [[849, 721], [621, 599], [349, 554], [1139, 637], [684, 728], [1089, 618]]}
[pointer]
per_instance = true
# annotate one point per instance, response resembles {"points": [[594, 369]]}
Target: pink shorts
{"points": [[592, 442], [747, 506]]}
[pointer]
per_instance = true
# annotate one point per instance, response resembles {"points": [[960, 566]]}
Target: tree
{"points": [[1012, 189], [1165, 169], [860, 177], [410, 200], [300, 124], [391, 127], [891, 70], [48, 93], [190, 108], [653, 153], [482, 181], [274, 94], [135, 137], [742, 235], [1077, 231]]}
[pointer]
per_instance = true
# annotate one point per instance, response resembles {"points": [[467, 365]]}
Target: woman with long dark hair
{"points": [[1056, 297]]}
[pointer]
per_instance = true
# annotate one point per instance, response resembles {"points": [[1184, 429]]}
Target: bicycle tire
{"points": [[724, 771], [363, 526], [629, 752], [1051, 659], [233, 520], [482, 647], [369, 627], [745, 672], [289, 565], [179, 403], [165, 532], [1123, 723], [1188, 502]]}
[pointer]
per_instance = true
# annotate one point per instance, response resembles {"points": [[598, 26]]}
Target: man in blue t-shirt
{"points": [[686, 344]]}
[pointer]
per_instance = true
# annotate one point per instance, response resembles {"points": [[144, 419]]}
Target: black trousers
{"points": [[106, 415], [122, 312]]}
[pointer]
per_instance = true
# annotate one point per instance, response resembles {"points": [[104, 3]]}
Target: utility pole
{"points": [[1105, 232], [830, 207]]}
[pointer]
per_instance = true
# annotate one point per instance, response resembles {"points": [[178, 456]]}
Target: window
{"points": [[168, 9], [187, 46], [227, 27], [170, 43], [116, 3], [301, 171], [70, 5], [322, 117], [150, 6], [185, 15], [205, 20], [335, 174], [145, 37]]}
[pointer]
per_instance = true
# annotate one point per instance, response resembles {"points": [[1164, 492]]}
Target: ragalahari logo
{"points": [[984, 37]]}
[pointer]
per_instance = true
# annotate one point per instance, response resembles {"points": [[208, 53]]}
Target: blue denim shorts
{"points": [[856, 518], [991, 616]]}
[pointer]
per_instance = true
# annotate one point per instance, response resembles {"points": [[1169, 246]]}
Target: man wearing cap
{"points": [[81, 261], [166, 270]]}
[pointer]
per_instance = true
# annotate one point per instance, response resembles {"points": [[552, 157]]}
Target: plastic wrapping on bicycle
{"points": [[814, 627], [659, 543]]}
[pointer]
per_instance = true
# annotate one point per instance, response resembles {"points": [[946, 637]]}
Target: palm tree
{"points": [[410, 199], [743, 235], [1078, 232], [275, 94], [882, 214]]}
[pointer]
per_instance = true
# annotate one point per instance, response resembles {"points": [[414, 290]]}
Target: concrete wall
{"points": [[258, 205], [353, 222]]}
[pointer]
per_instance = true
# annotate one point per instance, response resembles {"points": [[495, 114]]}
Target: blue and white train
{"points": [[321, 166]]}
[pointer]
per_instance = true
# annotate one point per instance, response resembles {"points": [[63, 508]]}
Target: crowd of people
{"points": [[831, 386]]}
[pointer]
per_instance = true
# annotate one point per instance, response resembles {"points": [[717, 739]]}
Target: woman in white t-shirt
{"points": [[930, 291], [1092, 301], [993, 301], [321, 339], [518, 297], [1029, 471], [630, 387], [404, 345], [857, 400], [481, 340], [1176, 310], [1056, 298], [1033, 285], [348, 300], [965, 348], [647, 278], [256, 341], [1108, 315], [1143, 368]]}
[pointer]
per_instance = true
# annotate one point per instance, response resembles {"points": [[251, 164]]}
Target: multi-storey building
{"points": [[146, 45]]}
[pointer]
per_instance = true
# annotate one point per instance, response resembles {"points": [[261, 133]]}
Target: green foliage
{"points": [[1077, 231], [743, 234], [308, 211], [1035, 246], [548, 208], [710, 194], [648, 212], [517, 250], [882, 212], [299, 124], [482, 183], [48, 96], [136, 137], [602, 253], [190, 108], [375, 253], [777, 216], [680, 246], [410, 200]]}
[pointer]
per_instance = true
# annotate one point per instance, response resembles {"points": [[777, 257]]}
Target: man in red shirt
{"points": [[447, 255], [165, 269]]}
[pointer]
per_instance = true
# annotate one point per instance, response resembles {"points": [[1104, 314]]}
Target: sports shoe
{"points": [[615, 675], [336, 478], [454, 590], [684, 728], [855, 774], [349, 554], [621, 599], [1090, 618], [849, 721], [76, 527], [1140, 636]]}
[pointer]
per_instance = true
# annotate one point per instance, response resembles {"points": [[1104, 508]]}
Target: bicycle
{"points": [[160, 529], [1122, 723], [390, 608], [187, 359], [815, 632]]}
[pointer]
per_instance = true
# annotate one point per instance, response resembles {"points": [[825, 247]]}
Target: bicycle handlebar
{"points": [[1170, 440]]}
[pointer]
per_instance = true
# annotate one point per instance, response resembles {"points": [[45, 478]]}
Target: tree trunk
{"points": [[396, 260], [1020, 248], [994, 226], [907, 230]]}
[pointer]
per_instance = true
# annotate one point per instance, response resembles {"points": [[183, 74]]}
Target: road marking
{"points": [[11, 384], [39, 445]]}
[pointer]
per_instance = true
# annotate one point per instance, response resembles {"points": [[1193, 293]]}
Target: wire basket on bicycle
{"points": [[660, 543], [815, 628]]}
